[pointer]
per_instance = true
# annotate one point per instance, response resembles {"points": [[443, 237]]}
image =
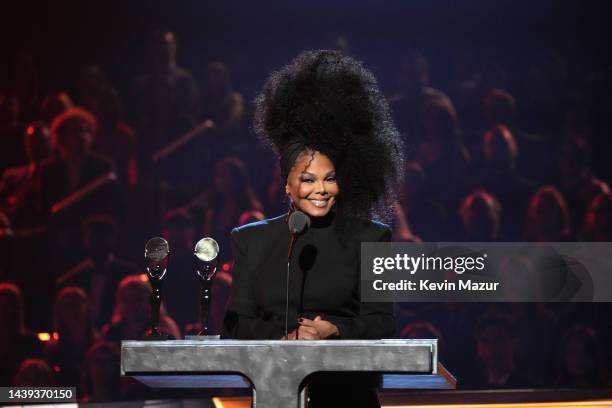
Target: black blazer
{"points": [[324, 280]]}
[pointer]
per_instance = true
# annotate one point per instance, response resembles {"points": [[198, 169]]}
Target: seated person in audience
{"points": [[578, 183], [16, 342], [34, 372], [165, 97], [74, 333], [424, 330], [132, 317], [499, 176], [496, 347], [72, 134], [548, 218], [427, 218], [580, 360], [181, 291], [115, 139], [442, 154], [598, 219], [101, 379], [481, 216], [101, 270], [414, 92], [232, 195], [20, 186]]}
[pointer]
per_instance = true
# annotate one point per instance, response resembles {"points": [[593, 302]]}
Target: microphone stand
{"points": [[290, 250]]}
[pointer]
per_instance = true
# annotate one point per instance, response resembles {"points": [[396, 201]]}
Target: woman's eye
{"points": [[307, 180], [331, 179]]}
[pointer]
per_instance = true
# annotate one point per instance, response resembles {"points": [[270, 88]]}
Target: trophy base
{"points": [[203, 337]]}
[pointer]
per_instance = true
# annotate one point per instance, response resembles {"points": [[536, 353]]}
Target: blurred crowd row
{"points": [[91, 172]]}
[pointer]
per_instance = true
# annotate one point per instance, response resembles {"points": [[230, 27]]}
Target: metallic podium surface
{"points": [[276, 369]]}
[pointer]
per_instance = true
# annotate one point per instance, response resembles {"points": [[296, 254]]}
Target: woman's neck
{"points": [[324, 221]]}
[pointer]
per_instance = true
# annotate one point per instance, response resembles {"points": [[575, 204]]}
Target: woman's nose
{"points": [[321, 188]]}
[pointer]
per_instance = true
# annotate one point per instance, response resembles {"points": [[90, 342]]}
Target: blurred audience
{"points": [[165, 97], [101, 381], [181, 292], [548, 218], [598, 219], [73, 334], [480, 215], [16, 342], [132, 317], [442, 154], [20, 187], [101, 270], [499, 176], [231, 195], [496, 349], [114, 139], [34, 372], [580, 360]]}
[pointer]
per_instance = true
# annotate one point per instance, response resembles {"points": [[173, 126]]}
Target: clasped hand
{"points": [[315, 329]]}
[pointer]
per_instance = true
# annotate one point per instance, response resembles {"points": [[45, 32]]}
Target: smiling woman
{"points": [[312, 185], [340, 157]]}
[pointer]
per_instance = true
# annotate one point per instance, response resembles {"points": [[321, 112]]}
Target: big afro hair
{"points": [[331, 103]]}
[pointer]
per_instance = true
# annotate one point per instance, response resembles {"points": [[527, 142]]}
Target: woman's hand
{"points": [[304, 333], [323, 328], [316, 329]]}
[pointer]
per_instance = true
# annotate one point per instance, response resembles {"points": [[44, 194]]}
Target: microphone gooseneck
{"points": [[298, 223]]}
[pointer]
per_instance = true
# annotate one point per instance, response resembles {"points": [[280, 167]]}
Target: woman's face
{"points": [[312, 184]]}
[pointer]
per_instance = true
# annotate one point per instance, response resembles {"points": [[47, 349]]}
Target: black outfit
{"points": [[324, 280]]}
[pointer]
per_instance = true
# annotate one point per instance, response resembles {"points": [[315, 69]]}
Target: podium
{"points": [[276, 369]]}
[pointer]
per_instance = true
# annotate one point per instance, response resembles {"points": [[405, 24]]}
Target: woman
{"points": [[340, 157]]}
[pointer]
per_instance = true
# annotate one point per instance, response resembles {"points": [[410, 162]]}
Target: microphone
{"points": [[298, 223], [157, 253], [206, 252]]}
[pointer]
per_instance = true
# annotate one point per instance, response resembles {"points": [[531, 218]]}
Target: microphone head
{"points": [[156, 255], [298, 222], [206, 249]]}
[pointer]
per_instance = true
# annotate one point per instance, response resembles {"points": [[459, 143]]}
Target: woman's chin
{"points": [[315, 212]]}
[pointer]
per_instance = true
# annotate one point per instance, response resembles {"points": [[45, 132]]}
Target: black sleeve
{"points": [[242, 319], [375, 319]]}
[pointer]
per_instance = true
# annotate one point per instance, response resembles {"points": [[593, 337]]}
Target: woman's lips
{"points": [[319, 203]]}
